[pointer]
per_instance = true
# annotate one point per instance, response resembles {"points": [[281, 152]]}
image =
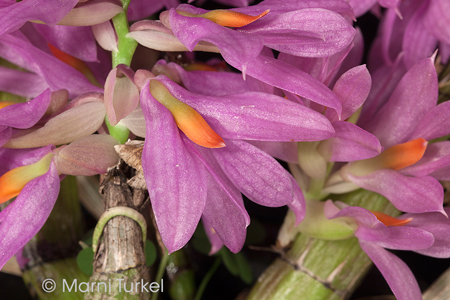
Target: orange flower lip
{"points": [[226, 18], [390, 221], [395, 158], [4, 104], [187, 119], [13, 181]]}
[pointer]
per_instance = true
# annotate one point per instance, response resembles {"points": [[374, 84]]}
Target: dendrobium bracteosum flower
{"points": [[33, 175], [211, 145], [423, 233], [403, 172]]}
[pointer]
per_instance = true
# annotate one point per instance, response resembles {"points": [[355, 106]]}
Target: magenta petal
{"points": [[298, 205], [21, 83], [216, 242], [256, 116], [76, 41], [437, 20], [12, 17], [241, 46], [396, 273], [313, 32], [207, 158], [14, 158], [286, 151], [360, 7], [434, 124], [418, 43], [225, 217], [25, 216], [409, 194], [58, 75], [286, 77], [353, 143], [256, 174], [178, 198], [407, 238], [25, 115], [352, 88], [398, 118]]}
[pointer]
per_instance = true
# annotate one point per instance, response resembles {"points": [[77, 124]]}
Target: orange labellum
{"points": [[13, 181], [4, 104], [404, 155], [390, 221], [187, 119], [75, 63], [227, 18]]}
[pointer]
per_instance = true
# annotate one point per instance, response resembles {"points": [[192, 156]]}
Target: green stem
{"points": [[126, 45], [160, 273], [317, 269], [207, 278]]}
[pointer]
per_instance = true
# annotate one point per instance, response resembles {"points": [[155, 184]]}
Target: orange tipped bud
{"points": [[395, 158], [75, 63], [404, 155], [4, 104], [227, 18], [13, 181], [390, 221], [187, 119]]}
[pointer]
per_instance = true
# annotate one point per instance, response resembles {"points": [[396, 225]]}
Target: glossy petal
{"points": [[418, 43], [311, 32], [12, 17], [60, 130], [256, 174], [25, 216], [87, 156], [352, 88], [434, 124], [409, 194], [14, 158], [255, 116], [407, 238], [75, 41], [121, 94], [154, 35], [398, 118], [242, 47], [286, 151], [352, 143], [291, 79], [177, 197], [396, 272], [25, 115], [216, 242], [57, 74], [105, 36], [436, 20], [21, 83], [225, 217], [91, 13]]}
